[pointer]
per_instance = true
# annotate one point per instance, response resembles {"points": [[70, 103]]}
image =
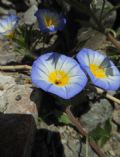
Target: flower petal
{"points": [[8, 24], [58, 21], [50, 62], [87, 56], [112, 81]]}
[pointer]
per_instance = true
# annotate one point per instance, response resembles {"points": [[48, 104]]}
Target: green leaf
{"points": [[108, 127], [63, 118], [97, 133], [111, 10], [102, 134]]}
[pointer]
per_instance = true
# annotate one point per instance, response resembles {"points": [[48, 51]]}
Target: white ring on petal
{"points": [[51, 62]]}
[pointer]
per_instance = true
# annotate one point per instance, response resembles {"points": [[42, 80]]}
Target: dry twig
{"points": [[15, 67]]}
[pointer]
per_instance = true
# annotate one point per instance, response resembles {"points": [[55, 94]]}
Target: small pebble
{"points": [[18, 97]]}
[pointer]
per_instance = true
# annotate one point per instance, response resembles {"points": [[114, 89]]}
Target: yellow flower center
{"points": [[49, 21], [58, 77], [10, 35], [97, 71]]}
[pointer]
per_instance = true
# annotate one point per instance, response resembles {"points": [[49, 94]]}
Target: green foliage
{"points": [[118, 32], [26, 39], [102, 134], [111, 10], [92, 9], [58, 116], [22, 38], [63, 118]]}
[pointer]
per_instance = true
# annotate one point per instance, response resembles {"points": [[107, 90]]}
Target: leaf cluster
{"points": [[101, 134]]}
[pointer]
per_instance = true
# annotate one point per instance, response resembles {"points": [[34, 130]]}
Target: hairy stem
{"points": [[113, 40], [79, 127]]}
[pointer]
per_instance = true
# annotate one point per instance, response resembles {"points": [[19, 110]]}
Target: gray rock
{"points": [[70, 140], [86, 149], [6, 83], [116, 116], [16, 98], [7, 53], [93, 39], [32, 2], [98, 114], [29, 17], [110, 18], [112, 147]]}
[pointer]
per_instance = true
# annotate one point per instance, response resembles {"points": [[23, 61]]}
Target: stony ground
{"points": [[19, 95]]}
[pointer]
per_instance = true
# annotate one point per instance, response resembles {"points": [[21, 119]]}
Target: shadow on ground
{"points": [[47, 144]]}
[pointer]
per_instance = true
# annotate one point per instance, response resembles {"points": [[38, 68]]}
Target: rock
{"points": [[16, 98], [112, 147], [68, 142], [6, 83], [29, 17], [19, 100], [109, 20], [96, 40], [16, 135], [116, 116], [32, 2], [84, 148], [93, 39], [47, 144], [98, 114], [7, 53], [69, 138]]}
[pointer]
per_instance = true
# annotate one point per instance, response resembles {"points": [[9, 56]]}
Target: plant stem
{"points": [[79, 127], [110, 10], [113, 40], [16, 67], [101, 13], [108, 96]]}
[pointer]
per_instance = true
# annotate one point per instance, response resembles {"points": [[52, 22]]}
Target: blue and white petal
{"points": [[8, 24], [57, 21], [86, 57], [56, 63]]}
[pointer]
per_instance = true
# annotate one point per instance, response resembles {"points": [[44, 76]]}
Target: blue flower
{"points": [[50, 21], [8, 25], [102, 72], [58, 74]]}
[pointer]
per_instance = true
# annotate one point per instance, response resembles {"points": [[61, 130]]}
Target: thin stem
{"points": [[101, 13], [79, 127], [86, 154], [113, 40], [16, 67], [110, 97]]}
